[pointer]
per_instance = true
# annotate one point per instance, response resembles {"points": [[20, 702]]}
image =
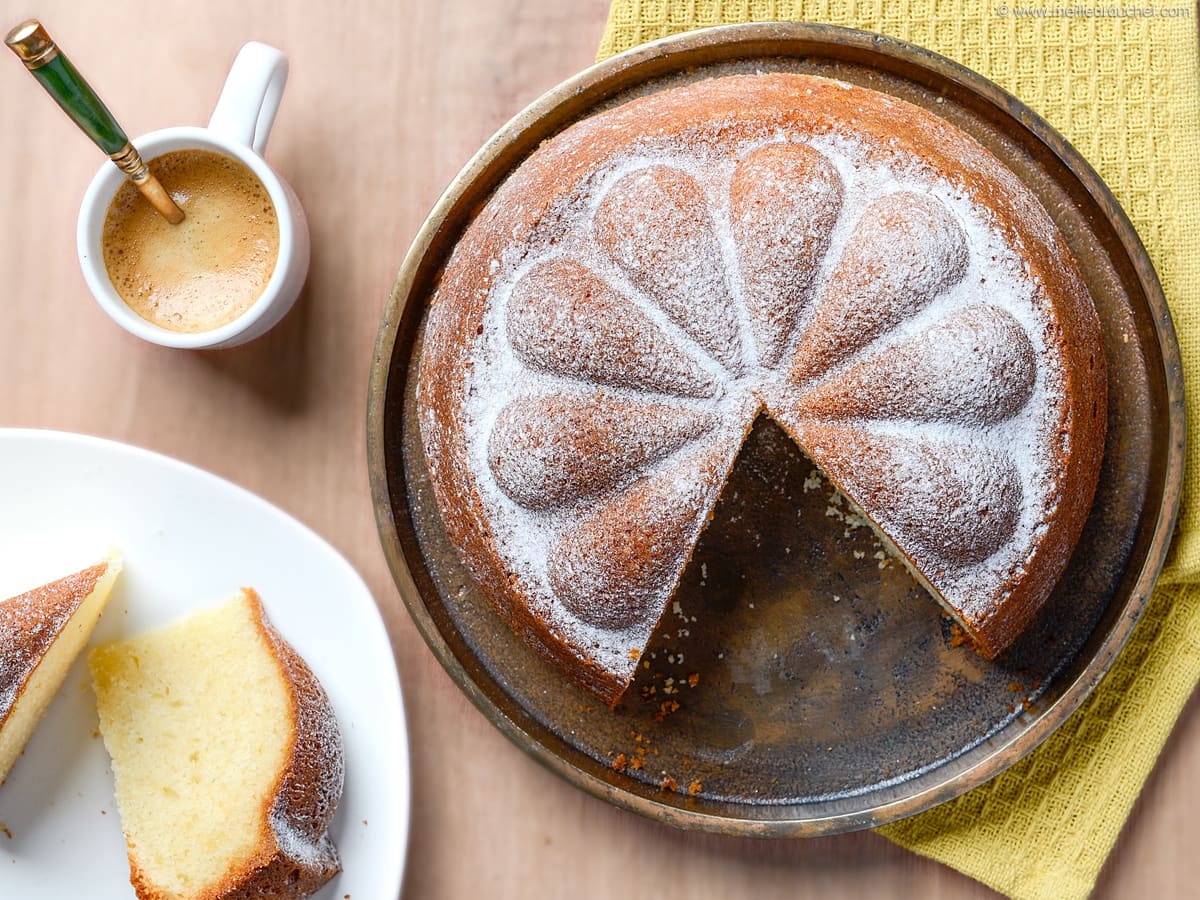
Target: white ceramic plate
{"points": [[189, 540]]}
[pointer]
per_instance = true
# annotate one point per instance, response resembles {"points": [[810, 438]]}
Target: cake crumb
{"points": [[634, 653], [668, 784], [619, 764], [637, 762], [665, 709], [695, 787], [693, 679]]}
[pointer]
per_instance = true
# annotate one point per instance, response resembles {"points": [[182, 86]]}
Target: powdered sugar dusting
{"points": [[905, 249], [974, 367], [567, 321], [785, 199], [610, 569], [671, 256], [557, 449]]}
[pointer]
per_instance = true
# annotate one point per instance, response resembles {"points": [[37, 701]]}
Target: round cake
{"points": [[657, 276]]}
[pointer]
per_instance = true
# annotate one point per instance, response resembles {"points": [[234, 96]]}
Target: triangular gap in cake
{"points": [[612, 691], [967, 498]]}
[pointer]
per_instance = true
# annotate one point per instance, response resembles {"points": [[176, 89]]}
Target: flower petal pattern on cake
{"points": [[566, 320], [958, 502], [784, 202], [549, 451], [655, 224], [609, 569], [906, 249], [977, 366]]}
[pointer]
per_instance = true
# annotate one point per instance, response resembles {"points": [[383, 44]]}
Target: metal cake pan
{"points": [[802, 686]]}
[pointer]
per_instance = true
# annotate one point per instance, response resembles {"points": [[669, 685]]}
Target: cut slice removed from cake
{"points": [[227, 757], [41, 633]]}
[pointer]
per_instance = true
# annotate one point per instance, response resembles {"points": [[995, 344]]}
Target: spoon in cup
{"points": [[62, 81]]}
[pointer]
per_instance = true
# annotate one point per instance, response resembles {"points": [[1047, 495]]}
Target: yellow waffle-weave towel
{"points": [[1125, 90]]}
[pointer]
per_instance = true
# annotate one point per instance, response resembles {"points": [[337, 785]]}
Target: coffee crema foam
{"points": [[210, 268]]}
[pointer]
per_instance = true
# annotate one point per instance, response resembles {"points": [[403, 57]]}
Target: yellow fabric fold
{"points": [[1122, 83]]}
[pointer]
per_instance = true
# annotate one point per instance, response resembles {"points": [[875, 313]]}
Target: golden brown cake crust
{"points": [[30, 622], [736, 108], [294, 856]]}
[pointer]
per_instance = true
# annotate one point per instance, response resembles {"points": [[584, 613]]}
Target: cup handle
{"points": [[246, 109]]}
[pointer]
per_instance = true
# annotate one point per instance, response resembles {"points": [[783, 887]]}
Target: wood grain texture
{"points": [[386, 101]]}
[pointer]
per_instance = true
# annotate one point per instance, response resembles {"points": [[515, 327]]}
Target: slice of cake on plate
{"points": [[227, 756], [41, 633]]}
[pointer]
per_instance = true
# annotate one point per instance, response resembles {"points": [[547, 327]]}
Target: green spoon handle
{"points": [[62, 81], [72, 92]]}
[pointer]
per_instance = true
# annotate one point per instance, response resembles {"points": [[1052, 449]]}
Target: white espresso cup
{"points": [[239, 128]]}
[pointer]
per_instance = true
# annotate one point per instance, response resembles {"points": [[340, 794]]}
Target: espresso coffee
{"points": [[210, 268]]}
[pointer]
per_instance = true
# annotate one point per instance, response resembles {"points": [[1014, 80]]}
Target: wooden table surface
{"points": [[385, 103]]}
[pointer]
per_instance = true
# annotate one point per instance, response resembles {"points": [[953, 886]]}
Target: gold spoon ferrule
{"points": [[32, 44], [129, 161]]}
